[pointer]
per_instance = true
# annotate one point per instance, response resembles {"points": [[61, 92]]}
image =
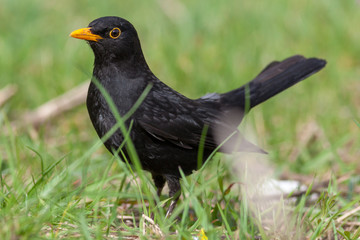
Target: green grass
{"points": [[58, 181]]}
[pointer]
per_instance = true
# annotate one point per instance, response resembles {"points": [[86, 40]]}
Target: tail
{"points": [[275, 78]]}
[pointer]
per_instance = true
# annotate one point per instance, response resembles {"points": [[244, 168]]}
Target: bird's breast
{"points": [[101, 116]]}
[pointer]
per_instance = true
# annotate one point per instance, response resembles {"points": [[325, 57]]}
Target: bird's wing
{"points": [[169, 117], [186, 133], [182, 123]]}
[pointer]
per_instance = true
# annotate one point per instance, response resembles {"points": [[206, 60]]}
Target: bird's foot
{"points": [[171, 208]]}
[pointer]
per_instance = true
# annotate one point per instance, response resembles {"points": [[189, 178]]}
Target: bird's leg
{"points": [[174, 192], [159, 181]]}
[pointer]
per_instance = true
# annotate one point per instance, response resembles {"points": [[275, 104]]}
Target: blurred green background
{"points": [[198, 47]]}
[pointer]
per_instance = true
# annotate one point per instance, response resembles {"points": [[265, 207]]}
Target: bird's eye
{"points": [[115, 33]]}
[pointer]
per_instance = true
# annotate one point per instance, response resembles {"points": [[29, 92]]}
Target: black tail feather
{"points": [[275, 78]]}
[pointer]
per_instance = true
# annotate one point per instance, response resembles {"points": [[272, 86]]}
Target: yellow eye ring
{"points": [[115, 33]]}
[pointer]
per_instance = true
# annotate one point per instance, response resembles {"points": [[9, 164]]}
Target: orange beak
{"points": [[85, 34]]}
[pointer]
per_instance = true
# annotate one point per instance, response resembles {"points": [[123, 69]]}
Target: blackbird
{"points": [[167, 128]]}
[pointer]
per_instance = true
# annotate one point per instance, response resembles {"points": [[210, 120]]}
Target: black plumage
{"points": [[167, 126]]}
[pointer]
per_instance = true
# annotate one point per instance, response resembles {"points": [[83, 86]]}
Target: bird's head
{"points": [[111, 39]]}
